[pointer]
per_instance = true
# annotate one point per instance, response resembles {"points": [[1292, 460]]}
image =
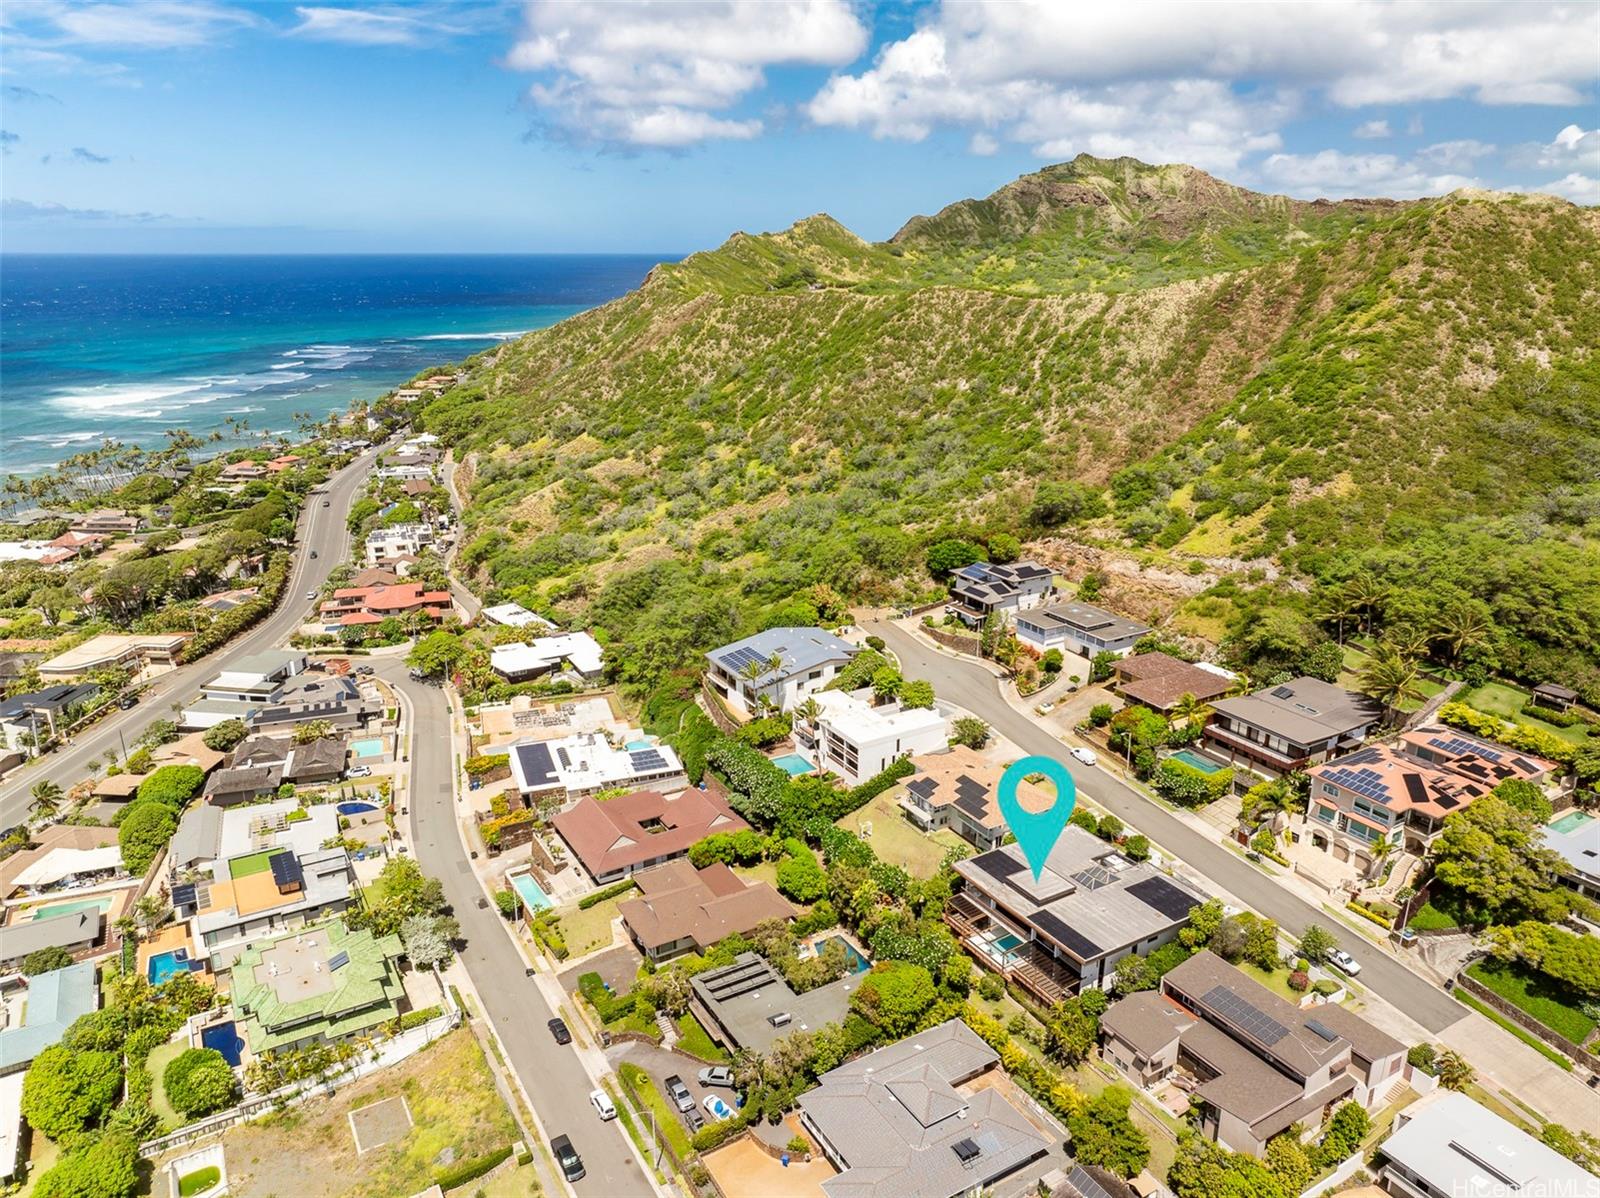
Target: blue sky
{"points": [[189, 126]]}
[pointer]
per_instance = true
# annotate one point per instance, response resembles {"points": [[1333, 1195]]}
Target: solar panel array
{"points": [[647, 760], [1074, 941], [184, 894], [1461, 747], [923, 787], [1322, 1029], [339, 960], [1085, 1183], [1283, 692], [1245, 1015], [1172, 901], [286, 870], [738, 979], [977, 572], [999, 864], [966, 1150], [968, 788], [1094, 877], [1368, 783]]}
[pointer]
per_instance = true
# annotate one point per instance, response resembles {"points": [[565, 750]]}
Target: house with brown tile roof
{"points": [[353, 607], [956, 789], [1159, 680], [681, 909], [635, 831]]}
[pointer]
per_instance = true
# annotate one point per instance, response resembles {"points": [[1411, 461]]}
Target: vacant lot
{"points": [[1535, 994], [308, 1152], [896, 840]]}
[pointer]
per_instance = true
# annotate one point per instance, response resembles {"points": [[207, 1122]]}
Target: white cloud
{"points": [[383, 26], [654, 74], [1336, 175], [1372, 130], [19, 210], [1454, 155], [148, 25], [1580, 189], [1572, 148], [983, 145]]}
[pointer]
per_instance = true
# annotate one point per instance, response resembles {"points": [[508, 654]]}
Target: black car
{"points": [[128, 701], [327, 503], [558, 1029], [694, 1119], [567, 1156]]}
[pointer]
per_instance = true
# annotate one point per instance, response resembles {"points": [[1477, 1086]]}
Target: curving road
{"points": [[972, 687], [322, 529], [551, 1074]]}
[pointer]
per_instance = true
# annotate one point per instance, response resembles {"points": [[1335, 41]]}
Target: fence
{"points": [[1527, 1022]]}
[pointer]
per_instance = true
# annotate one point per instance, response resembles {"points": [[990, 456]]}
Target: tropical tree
{"points": [[47, 797], [1366, 595], [1455, 1073], [1335, 605], [1462, 629], [312, 730], [1391, 679], [1192, 711], [809, 710]]}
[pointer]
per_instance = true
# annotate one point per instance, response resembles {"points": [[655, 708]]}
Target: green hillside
{"points": [[1139, 363]]}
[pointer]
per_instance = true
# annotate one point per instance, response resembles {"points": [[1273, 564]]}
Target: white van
{"points": [[601, 1101]]}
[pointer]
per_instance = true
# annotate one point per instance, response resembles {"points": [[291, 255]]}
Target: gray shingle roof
{"points": [[1304, 710], [801, 650]]}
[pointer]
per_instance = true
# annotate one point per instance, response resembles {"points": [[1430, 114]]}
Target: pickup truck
{"points": [[679, 1093]]}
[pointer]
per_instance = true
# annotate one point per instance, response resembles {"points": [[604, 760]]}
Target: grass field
{"points": [[199, 1181], [1537, 996], [1505, 701], [588, 930], [897, 841], [648, 1095], [255, 863], [697, 1042], [1355, 658], [1277, 981], [157, 1063]]}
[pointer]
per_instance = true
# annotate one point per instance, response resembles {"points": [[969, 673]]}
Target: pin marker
{"points": [[1037, 831]]}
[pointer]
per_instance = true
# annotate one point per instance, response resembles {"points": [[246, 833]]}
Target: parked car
{"points": [[716, 1108], [358, 771], [128, 701], [1045, 708], [716, 1075], [567, 1157], [558, 1029], [679, 1093], [311, 596], [1343, 961], [1087, 756], [601, 1101], [694, 1119]]}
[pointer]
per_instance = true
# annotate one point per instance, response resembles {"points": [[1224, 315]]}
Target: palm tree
{"points": [[752, 672], [1409, 644], [809, 710], [1367, 594], [1335, 605], [1191, 710], [1390, 678], [1460, 629], [46, 799]]}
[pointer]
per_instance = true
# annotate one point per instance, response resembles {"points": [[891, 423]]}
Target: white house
{"points": [[385, 545], [519, 662], [514, 615], [782, 665], [1079, 628], [586, 763], [854, 739]]}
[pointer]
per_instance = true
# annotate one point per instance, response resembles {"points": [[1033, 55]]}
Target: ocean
{"points": [[126, 347]]}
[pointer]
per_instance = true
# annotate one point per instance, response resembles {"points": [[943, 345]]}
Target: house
{"points": [[956, 789], [243, 784], [223, 601], [681, 909], [1286, 728], [337, 702], [416, 486], [110, 521], [514, 615], [257, 677], [916, 1120], [1159, 680], [242, 471], [287, 461], [72, 930], [1447, 1146], [519, 662], [57, 850], [374, 576], [1554, 696], [112, 650], [1473, 758], [319, 760], [47, 1005], [1254, 1063], [1065, 931], [1080, 628], [1575, 838], [984, 589], [856, 739], [384, 545], [359, 607], [40, 714], [781, 666], [586, 763], [407, 471], [45, 553], [635, 831], [318, 985], [749, 1005]]}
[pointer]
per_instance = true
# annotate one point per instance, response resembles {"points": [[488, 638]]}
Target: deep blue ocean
{"points": [[125, 347]]}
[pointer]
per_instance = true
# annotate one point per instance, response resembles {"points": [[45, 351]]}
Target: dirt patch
{"points": [[380, 1123]]}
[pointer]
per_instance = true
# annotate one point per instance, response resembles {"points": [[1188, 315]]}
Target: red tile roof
{"points": [[642, 826], [1159, 680]]}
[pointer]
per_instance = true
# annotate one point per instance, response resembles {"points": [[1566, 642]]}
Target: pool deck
{"points": [[168, 939]]}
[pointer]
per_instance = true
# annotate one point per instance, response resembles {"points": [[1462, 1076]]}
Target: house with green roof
{"points": [[322, 983]]}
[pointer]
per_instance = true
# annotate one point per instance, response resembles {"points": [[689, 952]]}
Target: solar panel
{"points": [[1094, 877], [966, 787], [1172, 901], [1086, 1183], [1075, 942], [1282, 692], [966, 1150], [1244, 1015], [974, 807], [999, 864], [339, 960], [1448, 801], [1415, 789], [923, 788], [183, 895], [648, 759], [739, 658], [1322, 1029], [286, 870]]}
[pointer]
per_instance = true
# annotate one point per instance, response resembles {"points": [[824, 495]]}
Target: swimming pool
{"points": [[372, 746], [356, 808], [50, 912], [532, 894], [639, 746], [164, 965], [1003, 948], [1570, 822], [1194, 761], [853, 959], [225, 1039], [793, 764]]}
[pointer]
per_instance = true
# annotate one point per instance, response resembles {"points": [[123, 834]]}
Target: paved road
{"points": [[971, 686], [551, 1074], [322, 529]]}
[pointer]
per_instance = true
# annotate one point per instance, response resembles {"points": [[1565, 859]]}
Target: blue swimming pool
{"points": [[356, 808], [638, 746], [532, 894], [793, 764], [225, 1039], [853, 959], [372, 746], [163, 965], [1196, 762]]}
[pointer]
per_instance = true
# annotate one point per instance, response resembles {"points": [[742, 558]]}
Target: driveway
{"points": [[971, 686], [661, 1063]]}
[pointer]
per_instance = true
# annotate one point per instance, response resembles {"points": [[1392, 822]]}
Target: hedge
{"points": [[717, 1134], [231, 623], [852, 800], [1517, 736], [413, 1019], [462, 1172], [1368, 913], [606, 1005], [600, 896], [476, 767]]}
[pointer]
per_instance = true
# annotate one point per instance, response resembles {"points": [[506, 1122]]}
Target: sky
{"points": [[202, 126]]}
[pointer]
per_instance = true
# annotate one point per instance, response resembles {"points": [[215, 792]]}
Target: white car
{"points": [[1087, 756], [311, 596], [1343, 961], [601, 1101], [358, 771]]}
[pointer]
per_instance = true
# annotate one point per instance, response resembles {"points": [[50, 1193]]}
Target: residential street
{"points": [[969, 685], [550, 1073], [322, 529]]}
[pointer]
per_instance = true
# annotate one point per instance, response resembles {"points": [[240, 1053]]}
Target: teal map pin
{"points": [[1037, 831]]}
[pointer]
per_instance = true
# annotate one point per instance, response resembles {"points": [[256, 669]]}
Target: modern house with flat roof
{"points": [[385, 545], [1575, 837], [856, 739], [781, 665], [1447, 1146], [1285, 728], [636, 831], [1159, 680], [514, 615], [911, 1120], [681, 909], [749, 1005], [316, 985], [1080, 628], [984, 589], [134, 651], [956, 789], [586, 763], [1065, 931], [1256, 1064], [39, 714], [520, 662]]}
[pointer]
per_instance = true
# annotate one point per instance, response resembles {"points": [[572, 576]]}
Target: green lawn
{"points": [[255, 863], [199, 1181], [697, 1042], [1536, 995], [1428, 918], [1505, 701], [898, 841], [588, 930], [157, 1064], [648, 1095], [1356, 657], [1277, 981]]}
